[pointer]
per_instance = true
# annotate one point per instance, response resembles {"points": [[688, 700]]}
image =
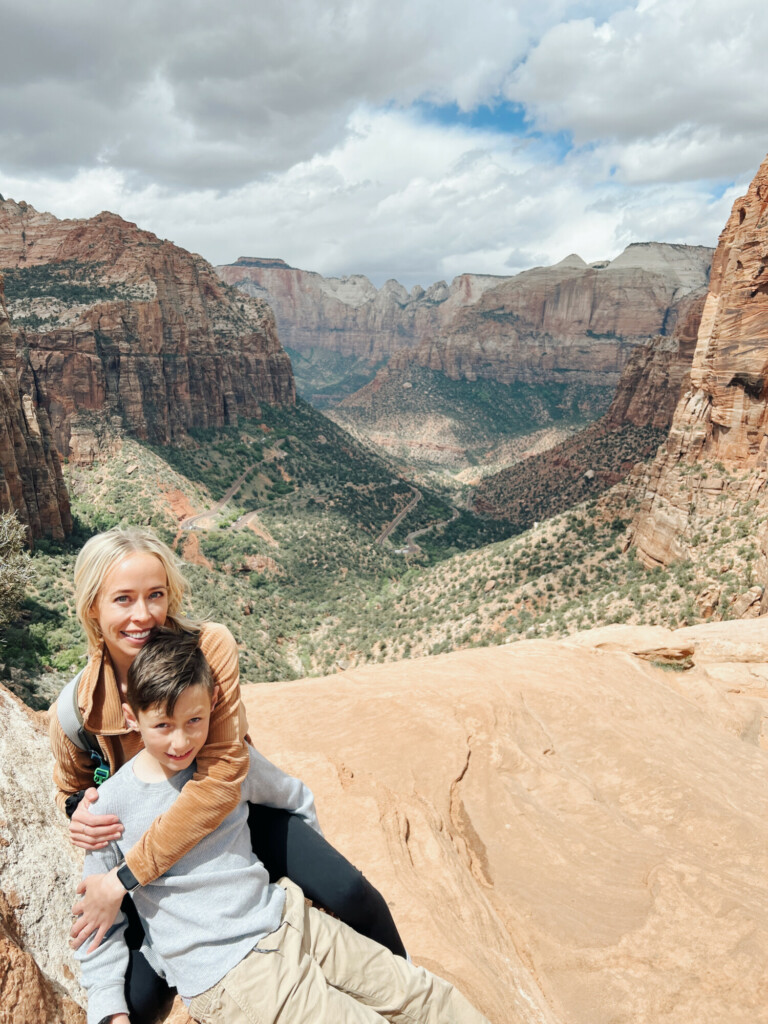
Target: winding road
{"points": [[387, 531], [190, 523]]}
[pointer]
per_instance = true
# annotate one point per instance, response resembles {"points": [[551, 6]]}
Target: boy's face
{"points": [[175, 740]]}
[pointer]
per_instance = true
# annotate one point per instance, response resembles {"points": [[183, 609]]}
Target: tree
{"points": [[15, 566]]}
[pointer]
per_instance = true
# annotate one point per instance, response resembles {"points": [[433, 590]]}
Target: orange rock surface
{"points": [[571, 834], [568, 832]]}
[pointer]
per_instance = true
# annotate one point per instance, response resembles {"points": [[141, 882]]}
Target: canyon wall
{"points": [[657, 373], [717, 451], [133, 329], [568, 322], [350, 315], [31, 483], [538, 325]]}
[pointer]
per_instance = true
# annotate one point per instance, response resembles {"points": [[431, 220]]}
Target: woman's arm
{"points": [[73, 776], [73, 768], [222, 764]]}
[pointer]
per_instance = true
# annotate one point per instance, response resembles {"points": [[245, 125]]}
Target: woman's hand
{"points": [[97, 910], [93, 831]]}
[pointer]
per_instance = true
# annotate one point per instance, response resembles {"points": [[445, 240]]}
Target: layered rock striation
{"points": [[721, 422], [349, 315], [568, 322], [545, 321], [31, 483], [135, 330], [658, 372]]}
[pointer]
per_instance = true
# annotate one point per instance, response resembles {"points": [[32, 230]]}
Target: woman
{"points": [[126, 584]]}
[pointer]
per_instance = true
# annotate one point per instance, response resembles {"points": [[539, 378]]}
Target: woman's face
{"points": [[132, 601]]}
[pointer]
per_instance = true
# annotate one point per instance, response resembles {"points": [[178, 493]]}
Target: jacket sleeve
{"points": [[222, 765], [269, 785], [73, 769], [104, 970]]}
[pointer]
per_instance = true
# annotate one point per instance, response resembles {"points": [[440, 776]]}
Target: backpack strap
{"points": [[71, 721]]}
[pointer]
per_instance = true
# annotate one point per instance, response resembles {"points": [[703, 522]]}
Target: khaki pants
{"points": [[316, 970]]}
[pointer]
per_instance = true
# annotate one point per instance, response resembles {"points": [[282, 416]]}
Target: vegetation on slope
{"points": [[14, 566], [577, 469], [421, 410], [39, 293], [294, 541]]}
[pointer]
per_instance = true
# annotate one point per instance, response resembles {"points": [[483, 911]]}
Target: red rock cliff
{"points": [[135, 329], [722, 418], [31, 483], [550, 323], [543, 322], [350, 315], [657, 372]]}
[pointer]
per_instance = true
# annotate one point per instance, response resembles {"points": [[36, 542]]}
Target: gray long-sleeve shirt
{"points": [[209, 910]]}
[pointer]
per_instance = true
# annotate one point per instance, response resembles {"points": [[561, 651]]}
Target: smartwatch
{"points": [[126, 877]]}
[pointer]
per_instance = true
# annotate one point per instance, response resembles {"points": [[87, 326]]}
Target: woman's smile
{"points": [[132, 602]]}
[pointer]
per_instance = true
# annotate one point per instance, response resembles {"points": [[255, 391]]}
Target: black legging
{"points": [[286, 845]]}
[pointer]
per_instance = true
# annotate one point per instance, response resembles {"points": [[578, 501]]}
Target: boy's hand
{"points": [[119, 1018], [97, 910], [93, 831]]}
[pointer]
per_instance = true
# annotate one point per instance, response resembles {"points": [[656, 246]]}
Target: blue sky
{"points": [[410, 140]]}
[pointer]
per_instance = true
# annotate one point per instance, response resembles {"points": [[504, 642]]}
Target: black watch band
{"points": [[73, 802], [126, 877]]}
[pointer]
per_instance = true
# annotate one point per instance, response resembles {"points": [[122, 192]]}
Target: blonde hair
{"points": [[102, 552]]}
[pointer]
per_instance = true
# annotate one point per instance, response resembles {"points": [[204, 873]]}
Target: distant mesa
{"points": [[255, 261]]}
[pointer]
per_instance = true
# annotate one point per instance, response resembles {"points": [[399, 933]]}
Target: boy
{"points": [[239, 949]]}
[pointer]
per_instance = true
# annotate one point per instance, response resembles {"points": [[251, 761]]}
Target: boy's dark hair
{"points": [[168, 663]]}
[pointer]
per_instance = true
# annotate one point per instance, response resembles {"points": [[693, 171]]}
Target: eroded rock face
{"points": [[722, 418], [550, 323], [529, 327], [134, 329], [350, 315], [657, 373], [31, 483]]}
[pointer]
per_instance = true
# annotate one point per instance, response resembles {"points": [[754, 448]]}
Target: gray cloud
{"points": [[289, 128], [203, 95]]}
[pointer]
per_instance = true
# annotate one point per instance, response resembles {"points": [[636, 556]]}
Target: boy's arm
{"points": [[104, 969], [267, 784], [222, 765]]}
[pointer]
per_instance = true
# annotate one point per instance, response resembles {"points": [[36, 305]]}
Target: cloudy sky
{"points": [[414, 140]]}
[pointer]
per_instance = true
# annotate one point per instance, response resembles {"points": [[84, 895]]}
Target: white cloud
{"points": [[678, 76], [290, 130]]}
